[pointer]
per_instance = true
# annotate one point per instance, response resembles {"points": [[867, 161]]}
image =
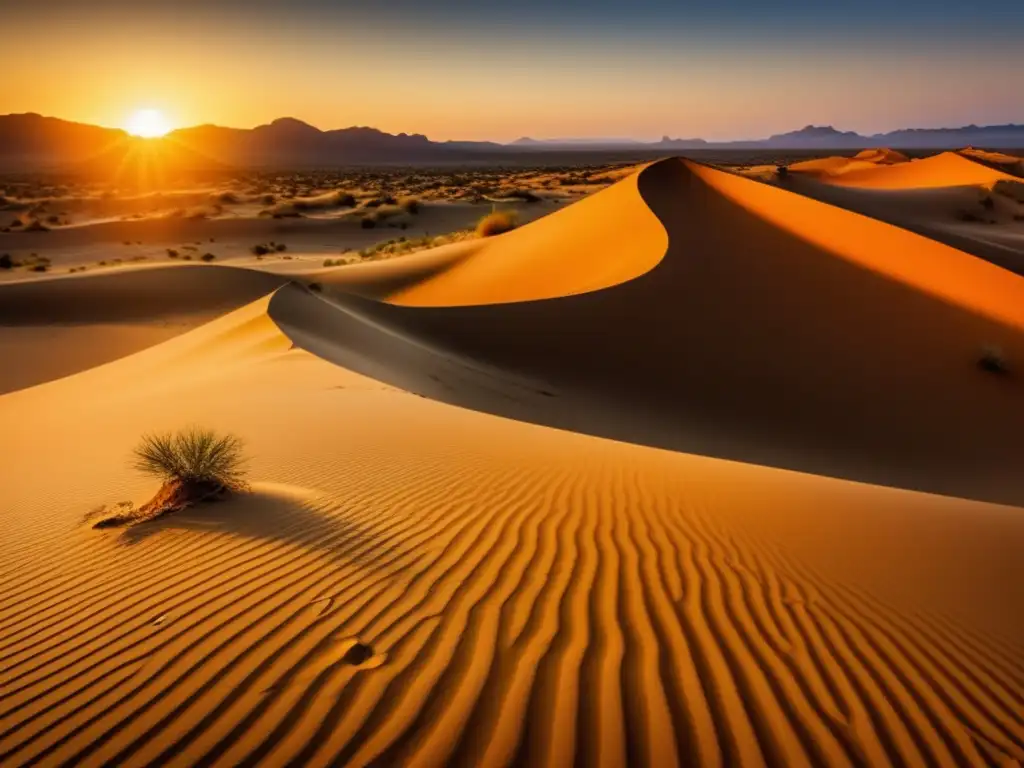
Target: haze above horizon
{"points": [[460, 70]]}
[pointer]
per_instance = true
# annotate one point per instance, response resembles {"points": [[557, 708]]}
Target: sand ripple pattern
{"points": [[559, 618]]}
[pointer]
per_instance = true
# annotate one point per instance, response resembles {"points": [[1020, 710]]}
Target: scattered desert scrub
{"points": [[409, 204], [402, 245], [195, 465], [39, 267], [377, 202], [496, 223], [208, 257], [260, 250], [36, 226], [172, 253]]}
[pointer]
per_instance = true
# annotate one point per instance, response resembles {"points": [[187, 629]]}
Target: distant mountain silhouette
{"points": [[31, 141]]}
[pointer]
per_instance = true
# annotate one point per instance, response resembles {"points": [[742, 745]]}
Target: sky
{"points": [[485, 70]]}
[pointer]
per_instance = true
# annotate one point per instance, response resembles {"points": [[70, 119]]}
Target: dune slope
{"points": [[411, 583], [773, 329], [947, 169], [57, 327]]}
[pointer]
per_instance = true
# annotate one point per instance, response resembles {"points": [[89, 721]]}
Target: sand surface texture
{"points": [[696, 471]]}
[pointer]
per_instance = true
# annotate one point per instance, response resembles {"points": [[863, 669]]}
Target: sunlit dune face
{"points": [[147, 123]]}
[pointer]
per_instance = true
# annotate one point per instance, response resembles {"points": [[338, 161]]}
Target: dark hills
{"points": [[34, 142]]}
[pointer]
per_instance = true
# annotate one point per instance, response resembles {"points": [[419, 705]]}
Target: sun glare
{"points": [[147, 123]]}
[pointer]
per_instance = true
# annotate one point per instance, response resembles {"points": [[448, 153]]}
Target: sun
{"points": [[147, 123]]}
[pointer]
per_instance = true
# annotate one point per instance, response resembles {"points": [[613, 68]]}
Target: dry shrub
{"points": [[496, 223]]}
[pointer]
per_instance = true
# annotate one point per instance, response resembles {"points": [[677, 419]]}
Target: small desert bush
{"points": [[6, 262], [259, 250], [171, 253], [192, 456], [496, 223], [409, 204], [993, 360], [280, 247], [208, 257]]}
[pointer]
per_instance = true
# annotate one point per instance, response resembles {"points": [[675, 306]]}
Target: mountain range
{"points": [[31, 142]]}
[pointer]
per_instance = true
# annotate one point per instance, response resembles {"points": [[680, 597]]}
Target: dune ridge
{"points": [[409, 582]]}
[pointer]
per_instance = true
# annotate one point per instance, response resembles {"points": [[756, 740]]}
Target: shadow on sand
{"points": [[278, 514]]}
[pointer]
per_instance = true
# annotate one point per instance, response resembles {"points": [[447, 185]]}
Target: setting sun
{"points": [[147, 123]]}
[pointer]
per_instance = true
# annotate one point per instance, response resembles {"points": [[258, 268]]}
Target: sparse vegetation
{"points": [[409, 205], [192, 455], [6, 262], [496, 223], [172, 253], [259, 250], [208, 257], [194, 464]]}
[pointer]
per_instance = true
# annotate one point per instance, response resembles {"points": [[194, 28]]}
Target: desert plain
{"points": [[712, 464]]}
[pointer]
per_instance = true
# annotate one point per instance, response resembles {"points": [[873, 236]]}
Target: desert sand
{"points": [[697, 470]]}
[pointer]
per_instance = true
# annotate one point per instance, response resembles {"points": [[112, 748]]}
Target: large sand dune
{"points": [[776, 329], [410, 582]]}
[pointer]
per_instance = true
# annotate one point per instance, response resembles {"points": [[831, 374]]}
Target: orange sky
{"points": [[243, 71]]}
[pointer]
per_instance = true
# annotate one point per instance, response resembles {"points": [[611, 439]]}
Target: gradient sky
{"points": [[498, 70]]}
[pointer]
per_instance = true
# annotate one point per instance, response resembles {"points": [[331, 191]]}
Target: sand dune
{"points": [[60, 326], [769, 316], [954, 200], [409, 582], [948, 169]]}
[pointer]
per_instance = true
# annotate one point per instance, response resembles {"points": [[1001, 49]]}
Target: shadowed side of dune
{"points": [[58, 327], [794, 346]]}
